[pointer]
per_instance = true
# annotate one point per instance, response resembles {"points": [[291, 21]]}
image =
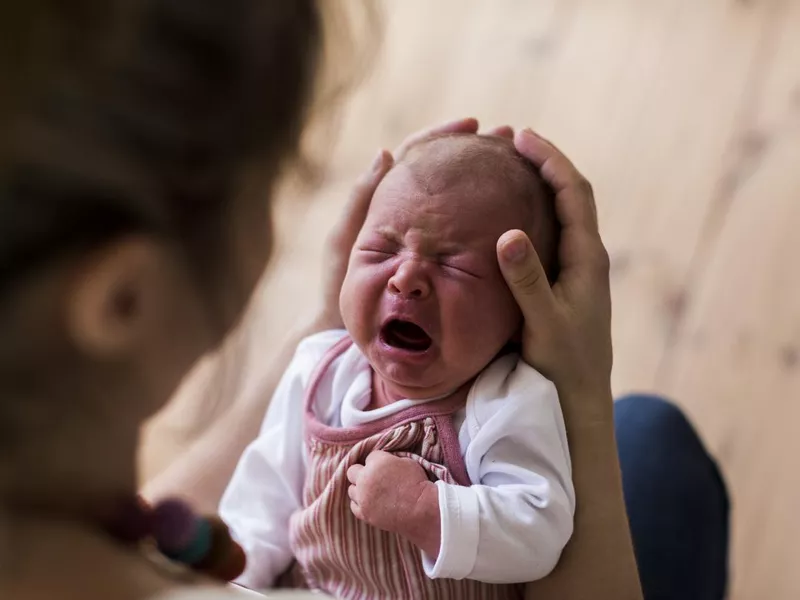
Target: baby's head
{"points": [[424, 298]]}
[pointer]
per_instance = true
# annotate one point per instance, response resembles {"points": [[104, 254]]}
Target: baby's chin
{"points": [[399, 392], [402, 385]]}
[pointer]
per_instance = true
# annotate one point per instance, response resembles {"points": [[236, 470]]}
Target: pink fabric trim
{"points": [[440, 410], [332, 354], [452, 450]]}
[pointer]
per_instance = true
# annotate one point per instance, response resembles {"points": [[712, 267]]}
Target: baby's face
{"points": [[424, 298]]}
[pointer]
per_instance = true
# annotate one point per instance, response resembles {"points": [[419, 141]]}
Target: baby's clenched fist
{"points": [[395, 494]]}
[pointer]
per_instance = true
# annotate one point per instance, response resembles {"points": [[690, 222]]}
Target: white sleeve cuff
{"points": [[459, 512]]}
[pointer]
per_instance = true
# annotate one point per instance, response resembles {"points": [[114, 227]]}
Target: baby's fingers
{"points": [[352, 493], [354, 472], [356, 510]]}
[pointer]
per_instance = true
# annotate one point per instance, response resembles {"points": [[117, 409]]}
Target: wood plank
{"points": [[656, 169], [736, 364]]}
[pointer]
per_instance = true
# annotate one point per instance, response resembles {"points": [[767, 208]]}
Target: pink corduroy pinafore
{"points": [[346, 558]]}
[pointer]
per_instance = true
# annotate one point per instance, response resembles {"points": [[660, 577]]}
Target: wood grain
{"points": [[735, 364]]}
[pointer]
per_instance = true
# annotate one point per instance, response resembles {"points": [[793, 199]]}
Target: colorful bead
{"points": [[174, 526], [130, 519], [221, 542], [234, 566], [197, 549], [223, 559], [204, 544]]}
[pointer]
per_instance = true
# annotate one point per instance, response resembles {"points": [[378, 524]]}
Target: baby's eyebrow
{"points": [[390, 233], [429, 244]]}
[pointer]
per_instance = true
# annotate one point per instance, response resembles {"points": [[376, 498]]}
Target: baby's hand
{"points": [[395, 494]]}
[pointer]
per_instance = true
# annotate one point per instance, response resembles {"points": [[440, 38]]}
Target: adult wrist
{"points": [[586, 405]]}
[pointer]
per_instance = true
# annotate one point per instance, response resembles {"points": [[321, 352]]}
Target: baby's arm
{"points": [[512, 525], [266, 487], [395, 494]]}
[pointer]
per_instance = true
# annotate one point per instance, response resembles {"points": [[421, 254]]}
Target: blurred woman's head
{"points": [[141, 140]]}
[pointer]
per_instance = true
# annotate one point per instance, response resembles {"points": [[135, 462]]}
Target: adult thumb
{"points": [[524, 275]]}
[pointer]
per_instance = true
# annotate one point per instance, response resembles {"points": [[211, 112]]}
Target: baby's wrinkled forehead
{"points": [[490, 172]]}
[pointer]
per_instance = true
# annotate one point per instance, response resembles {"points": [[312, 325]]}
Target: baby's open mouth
{"points": [[406, 336]]}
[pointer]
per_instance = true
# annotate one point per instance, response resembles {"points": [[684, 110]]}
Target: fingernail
{"points": [[461, 121], [515, 250], [531, 133], [378, 162]]}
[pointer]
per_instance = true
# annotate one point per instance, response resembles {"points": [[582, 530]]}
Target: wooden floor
{"points": [[685, 114]]}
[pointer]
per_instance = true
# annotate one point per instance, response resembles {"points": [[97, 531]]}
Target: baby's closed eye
{"points": [[376, 254], [460, 264], [378, 245]]}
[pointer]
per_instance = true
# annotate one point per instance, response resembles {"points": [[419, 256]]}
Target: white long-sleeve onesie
{"points": [[509, 526]]}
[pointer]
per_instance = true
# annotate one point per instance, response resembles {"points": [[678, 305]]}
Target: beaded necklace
{"points": [[204, 544]]}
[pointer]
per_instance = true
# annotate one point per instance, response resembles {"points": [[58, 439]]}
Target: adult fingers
{"points": [[354, 472], [525, 276], [581, 247], [503, 131], [467, 125], [575, 204], [355, 212]]}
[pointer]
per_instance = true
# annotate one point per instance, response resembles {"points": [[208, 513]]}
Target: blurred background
{"points": [[685, 115]]}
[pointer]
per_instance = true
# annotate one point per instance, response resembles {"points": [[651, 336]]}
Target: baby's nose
{"points": [[410, 281]]}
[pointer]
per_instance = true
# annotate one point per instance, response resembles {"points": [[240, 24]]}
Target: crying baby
{"points": [[413, 455]]}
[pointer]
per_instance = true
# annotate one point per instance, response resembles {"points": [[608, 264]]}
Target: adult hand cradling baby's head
{"points": [[424, 298], [567, 326], [567, 333]]}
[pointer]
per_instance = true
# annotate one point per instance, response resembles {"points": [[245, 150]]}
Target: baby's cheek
{"points": [[360, 299], [510, 308], [496, 315], [462, 308]]}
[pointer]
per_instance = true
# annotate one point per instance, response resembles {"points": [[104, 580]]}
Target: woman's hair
{"points": [[154, 116], [143, 115]]}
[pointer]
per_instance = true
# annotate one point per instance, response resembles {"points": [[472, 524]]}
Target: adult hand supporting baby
{"points": [[567, 336], [567, 333], [395, 494]]}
